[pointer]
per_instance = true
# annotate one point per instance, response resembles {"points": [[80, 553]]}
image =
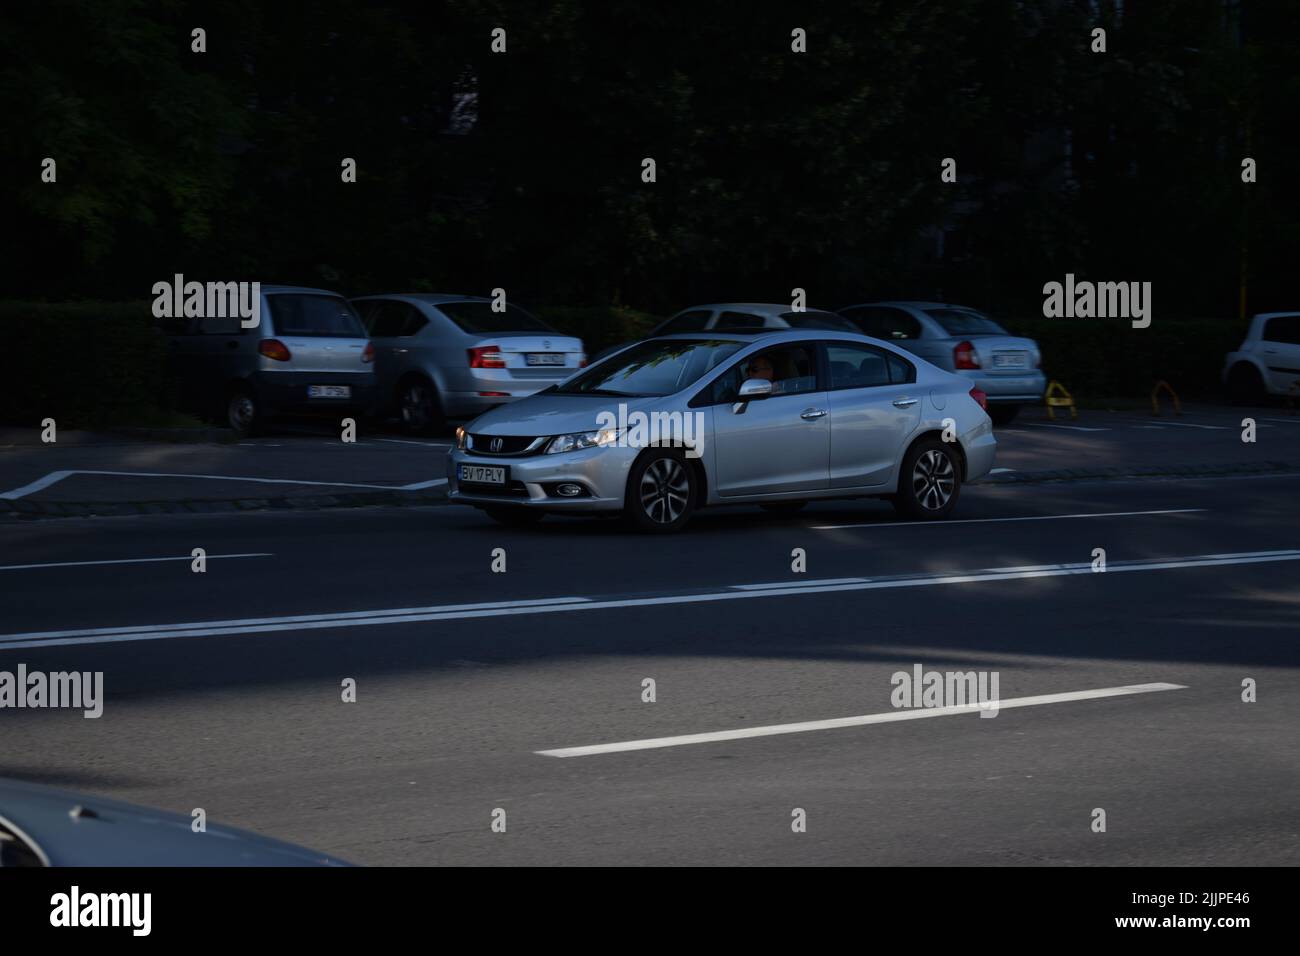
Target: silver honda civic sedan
{"points": [[776, 419]]}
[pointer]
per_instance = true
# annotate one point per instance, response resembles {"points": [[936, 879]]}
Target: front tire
{"points": [[661, 492], [929, 482]]}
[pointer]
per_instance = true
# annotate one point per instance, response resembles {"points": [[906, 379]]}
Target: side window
{"points": [[857, 366], [739, 320], [883, 322], [792, 370], [686, 322], [901, 371], [1284, 329]]}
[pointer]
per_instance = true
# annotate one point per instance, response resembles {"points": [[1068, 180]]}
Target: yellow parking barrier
{"points": [[1057, 397], [1155, 399]]}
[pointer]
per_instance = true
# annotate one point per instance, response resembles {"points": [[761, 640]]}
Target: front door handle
{"points": [[400, 351], [904, 402], [810, 413]]}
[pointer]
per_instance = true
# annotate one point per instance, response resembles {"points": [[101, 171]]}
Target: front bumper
{"points": [[531, 479]]}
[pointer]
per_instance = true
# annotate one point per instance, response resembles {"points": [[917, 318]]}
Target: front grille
{"points": [[510, 444], [511, 489]]}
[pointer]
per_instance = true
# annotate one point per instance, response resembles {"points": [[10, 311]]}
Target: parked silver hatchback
{"points": [[308, 355], [441, 357]]}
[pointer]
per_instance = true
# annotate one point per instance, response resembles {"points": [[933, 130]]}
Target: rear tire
{"points": [[1003, 414], [1245, 385], [514, 517], [419, 408], [929, 482], [661, 491], [243, 413]]}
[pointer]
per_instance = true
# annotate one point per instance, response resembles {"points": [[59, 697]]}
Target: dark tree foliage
{"points": [[774, 169]]}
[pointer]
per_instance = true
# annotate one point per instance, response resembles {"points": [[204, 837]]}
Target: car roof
{"points": [[763, 308], [431, 298], [912, 304], [303, 290], [83, 830], [770, 336]]}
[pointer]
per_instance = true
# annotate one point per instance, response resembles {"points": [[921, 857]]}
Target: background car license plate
{"points": [[544, 358], [483, 474], [1009, 361], [329, 391]]}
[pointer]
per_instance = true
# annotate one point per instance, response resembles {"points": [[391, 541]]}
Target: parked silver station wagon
{"points": [[308, 355], [769, 418], [441, 357], [964, 341]]}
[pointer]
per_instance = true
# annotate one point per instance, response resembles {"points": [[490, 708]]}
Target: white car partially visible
{"points": [[1268, 361]]}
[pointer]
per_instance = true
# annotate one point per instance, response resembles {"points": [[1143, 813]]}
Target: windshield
{"points": [[656, 367], [965, 322]]}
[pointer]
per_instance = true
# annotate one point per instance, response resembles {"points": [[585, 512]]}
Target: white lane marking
{"points": [[772, 730], [82, 564], [56, 476], [550, 605], [1154, 428], [1216, 428], [786, 584], [1000, 471], [1284, 421], [1072, 428], [922, 524]]}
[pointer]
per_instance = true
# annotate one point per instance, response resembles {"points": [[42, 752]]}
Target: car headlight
{"points": [[576, 442], [460, 438]]}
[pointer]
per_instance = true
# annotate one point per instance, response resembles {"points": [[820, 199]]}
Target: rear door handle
{"points": [[810, 413], [904, 402]]}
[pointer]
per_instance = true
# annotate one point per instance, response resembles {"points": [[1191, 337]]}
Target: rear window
{"points": [[478, 318], [818, 320], [965, 322], [321, 316]]}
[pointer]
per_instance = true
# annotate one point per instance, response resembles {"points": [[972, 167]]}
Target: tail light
{"points": [[368, 353], [486, 356], [274, 349], [963, 356], [980, 397], [582, 360]]}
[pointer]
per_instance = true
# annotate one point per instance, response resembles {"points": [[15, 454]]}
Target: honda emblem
{"points": [[495, 445]]}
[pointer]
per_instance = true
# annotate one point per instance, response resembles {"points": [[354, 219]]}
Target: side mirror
{"points": [[753, 388]]}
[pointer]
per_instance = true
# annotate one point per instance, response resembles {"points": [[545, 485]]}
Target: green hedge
{"points": [[82, 363], [1108, 358], [600, 327]]}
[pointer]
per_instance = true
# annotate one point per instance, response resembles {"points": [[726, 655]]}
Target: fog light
{"points": [[568, 490]]}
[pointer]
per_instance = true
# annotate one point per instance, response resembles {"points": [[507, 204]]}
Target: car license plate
{"points": [[483, 474], [1009, 361], [544, 358], [329, 391]]}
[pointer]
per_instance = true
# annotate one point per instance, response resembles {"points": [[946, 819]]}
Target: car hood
{"points": [[551, 414], [71, 829]]}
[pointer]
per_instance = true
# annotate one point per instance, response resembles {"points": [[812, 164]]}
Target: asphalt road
{"points": [[454, 703]]}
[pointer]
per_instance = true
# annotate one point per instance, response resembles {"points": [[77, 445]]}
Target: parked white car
{"points": [[1268, 361]]}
